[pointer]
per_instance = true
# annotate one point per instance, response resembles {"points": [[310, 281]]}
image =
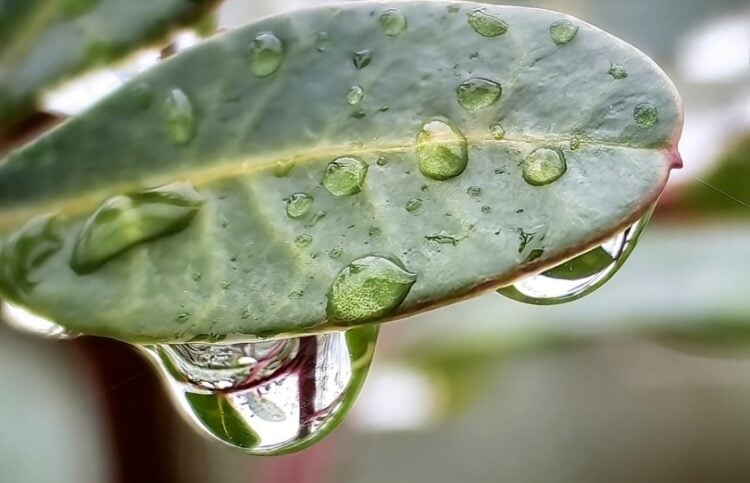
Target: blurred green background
{"points": [[647, 379]]}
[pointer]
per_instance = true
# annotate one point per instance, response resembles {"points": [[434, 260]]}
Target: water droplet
{"points": [[26, 251], [582, 275], [197, 276], [392, 22], [362, 59], [182, 317], [442, 151], [368, 289], [477, 94], [265, 54], [359, 114], [575, 143], [382, 161], [645, 115], [123, 222], [498, 132], [336, 252], [268, 397], [413, 205], [355, 95], [76, 8], [225, 284], [443, 238], [487, 25], [345, 176], [180, 118], [322, 41], [283, 168], [297, 294], [474, 56], [30, 323], [563, 31], [298, 205], [319, 215], [303, 240], [486, 209], [544, 166], [617, 72], [474, 191]]}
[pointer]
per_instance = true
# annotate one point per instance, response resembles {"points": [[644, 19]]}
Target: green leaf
{"points": [[254, 118], [43, 42]]}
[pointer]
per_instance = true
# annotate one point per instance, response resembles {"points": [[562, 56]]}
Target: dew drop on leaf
{"points": [[25, 251], [355, 95], [362, 59], [442, 151], [265, 54], [474, 191], [563, 31], [487, 25], [180, 118], [413, 205], [477, 94], [298, 205], [303, 240], [322, 41], [345, 176], [393, 22], [498, 132], [544, 166], [617, 72], [645, 115]]}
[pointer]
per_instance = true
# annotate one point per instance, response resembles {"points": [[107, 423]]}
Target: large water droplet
{"points": [[265, 54], [645, 115], [30, 323], [269, 397], [563, 31], [582, 275], [355, 95], [369, 288], [180, 118], [345, 176], [487, 25], [392, 22], [544, 166], [476, 94], [298, 205], [26, 251], [362, 59], [125, 221], [442, 151]]}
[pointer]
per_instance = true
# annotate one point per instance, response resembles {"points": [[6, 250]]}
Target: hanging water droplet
{"points": [[486, 24], [544, 166], [582, 275], [477, 94], [413, 205], [392, 22], [355, 95], [474, 191], [30, 323], [26, 251], [498, 132], [345, 176], [645, 115], [362, 59], [269, 397], [369, 288], [322, 41], [180, 118], [617, 72], [563, 31], [123, 222], [265, 54], [303, 240], [442, 151], [298, 205]]}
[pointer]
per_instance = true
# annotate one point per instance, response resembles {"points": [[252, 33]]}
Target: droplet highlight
{"points": [[265, 54], [563, 31], [442, 151], [180, 118], [345, 176], [477, 94], [392, 22], [486, 24], [544, 166]]}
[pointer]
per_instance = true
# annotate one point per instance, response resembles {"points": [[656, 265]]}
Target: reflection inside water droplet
{"points": [[268, 397], [25, 321], [582, 275]]}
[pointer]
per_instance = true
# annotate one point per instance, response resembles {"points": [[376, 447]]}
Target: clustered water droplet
{"points": [[180, 118], [544, 166], [265, 54], [442, 151], [563, 31], [355, 95], [393, 22], [298, 205], [477, 94], [645, 115], [369, 288], [345, 176], [486, 24]]}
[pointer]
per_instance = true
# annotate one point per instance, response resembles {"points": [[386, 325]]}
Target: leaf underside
{"points": [[43, 42], [243, 268]]}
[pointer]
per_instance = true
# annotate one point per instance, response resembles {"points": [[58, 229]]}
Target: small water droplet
{"points": [[225, 284], [474, 191], [345, 176], [182, 317], [443, 238], [303, 240], [180, 118], [645, 115], [123, 222], [355, 95], [413, 205], [336, 252], [477, 94], [486, 24], [197, 276], [563, 31], [498, 132], [368, 289], [582, 275], [319, 215], [575, 143], [297, 294], [322, 41], [442, 151], [268, 397], [298, 205], [544, 166], [393, 22], [453, 8], [265, 54], [374, 231], [617, 72], [362, 59], [26, 251], [382, 161], [359, 114], [486, 209], [282, 169], [474, 56]]}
